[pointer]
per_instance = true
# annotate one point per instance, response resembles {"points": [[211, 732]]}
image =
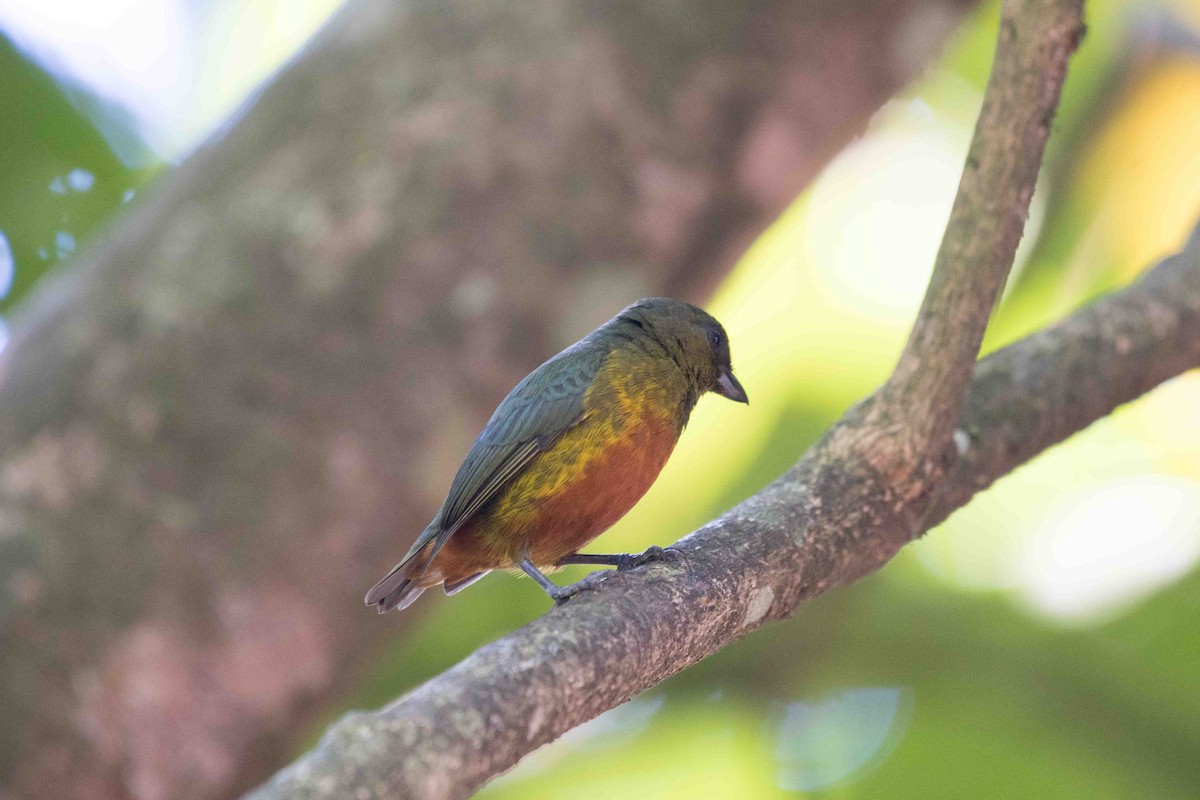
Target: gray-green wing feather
{"points": [[535, 413]]}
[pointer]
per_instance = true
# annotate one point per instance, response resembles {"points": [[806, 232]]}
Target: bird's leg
{"points": [[559, 594], [621, 561], [539, 577]]}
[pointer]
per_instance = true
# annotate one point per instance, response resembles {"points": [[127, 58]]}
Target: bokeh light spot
{"points": [[7, 266], [877, 213], [80, 180], [1109, 544], [64, 243], [823, 743]]}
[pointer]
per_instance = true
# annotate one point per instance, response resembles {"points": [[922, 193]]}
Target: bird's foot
{"points": [[649, 555], [622, 561], [561, 594]]}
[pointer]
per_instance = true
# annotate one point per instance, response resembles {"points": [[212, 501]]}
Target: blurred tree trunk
{"points": [[225, 419]]}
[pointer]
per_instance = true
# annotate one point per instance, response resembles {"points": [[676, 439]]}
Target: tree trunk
{"points": [[221, 421]]}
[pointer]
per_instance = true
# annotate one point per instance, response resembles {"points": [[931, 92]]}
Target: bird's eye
{"points": [[714, 337]]}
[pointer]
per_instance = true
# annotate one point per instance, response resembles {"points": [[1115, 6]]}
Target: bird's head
{"points": [[690, 336]]}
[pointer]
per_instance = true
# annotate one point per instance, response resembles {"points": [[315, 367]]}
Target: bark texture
{"points": [[923, 398], [220, 421]]}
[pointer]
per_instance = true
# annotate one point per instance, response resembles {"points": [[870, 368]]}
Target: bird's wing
{"points": [[527, 422]]}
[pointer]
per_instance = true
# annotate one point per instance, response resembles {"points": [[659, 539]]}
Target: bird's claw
{"points": [[562, 594], [650, 554]]}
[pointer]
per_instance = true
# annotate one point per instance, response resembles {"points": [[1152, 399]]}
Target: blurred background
{"points": [[1043, 642]]}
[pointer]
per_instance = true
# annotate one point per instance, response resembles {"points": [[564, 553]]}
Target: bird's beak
{"points": [[728, 386]]}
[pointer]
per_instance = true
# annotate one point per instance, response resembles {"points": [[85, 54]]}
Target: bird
{"points": [[568, 452]]}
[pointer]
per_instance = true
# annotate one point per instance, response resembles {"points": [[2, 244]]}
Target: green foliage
{"points": [[61, 179]]}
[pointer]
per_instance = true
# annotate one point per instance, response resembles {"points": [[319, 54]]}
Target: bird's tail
{"points": [[397, 589]]}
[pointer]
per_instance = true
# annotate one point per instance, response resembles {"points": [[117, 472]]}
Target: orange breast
{"points": [[586, 480], [605, 490], [564, 499]]}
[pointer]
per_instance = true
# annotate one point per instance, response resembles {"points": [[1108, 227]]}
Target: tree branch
{"points": [[825, 523], [923, 398], [836, 516]]}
